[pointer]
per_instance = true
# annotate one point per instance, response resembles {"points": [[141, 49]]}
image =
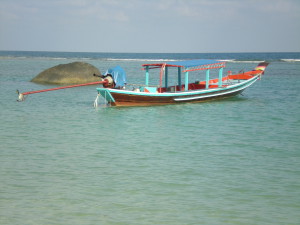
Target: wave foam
{"points": [[290, 60], [141, 60]]}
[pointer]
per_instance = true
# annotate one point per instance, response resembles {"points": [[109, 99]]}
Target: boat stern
{"points": [[105, 93]]}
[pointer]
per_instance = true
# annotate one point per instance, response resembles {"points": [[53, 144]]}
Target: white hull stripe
{"points": [[213, 95]]}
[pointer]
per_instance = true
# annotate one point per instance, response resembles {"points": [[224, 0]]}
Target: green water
{"points": [[225, 162]]}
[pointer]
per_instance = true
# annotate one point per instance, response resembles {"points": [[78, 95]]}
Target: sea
{"points": [[232, 161]]}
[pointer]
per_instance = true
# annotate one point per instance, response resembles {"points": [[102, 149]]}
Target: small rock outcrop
{"points": [[71, 73]]}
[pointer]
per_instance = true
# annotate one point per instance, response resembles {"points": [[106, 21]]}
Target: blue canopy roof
{"points": [[190, 65], [193, 63]]}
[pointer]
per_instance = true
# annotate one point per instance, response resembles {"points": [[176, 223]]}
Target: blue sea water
{"points": [[235, 161]]}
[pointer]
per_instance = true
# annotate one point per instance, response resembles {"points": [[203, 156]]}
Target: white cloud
{"points": [[281, 7], [147, 24]]}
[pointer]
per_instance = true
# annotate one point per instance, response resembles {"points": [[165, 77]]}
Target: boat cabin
{"points": [[183, 70]]}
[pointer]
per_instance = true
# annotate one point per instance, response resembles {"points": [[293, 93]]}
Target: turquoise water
{"points": [[235, 161]]}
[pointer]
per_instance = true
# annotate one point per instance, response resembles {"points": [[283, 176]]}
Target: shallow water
{"points": [[235, 161]]}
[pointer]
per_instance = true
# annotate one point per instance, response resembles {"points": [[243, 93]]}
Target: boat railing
{"points": [[176, 88]]}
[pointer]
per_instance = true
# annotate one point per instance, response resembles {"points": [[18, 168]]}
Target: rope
{"points": [[142, 85], [96, 101]]}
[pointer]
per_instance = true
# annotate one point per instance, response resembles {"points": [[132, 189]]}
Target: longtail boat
{"points": [[115, 89]]}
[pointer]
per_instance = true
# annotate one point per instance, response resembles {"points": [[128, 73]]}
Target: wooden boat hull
{"points": [[118, 97]]}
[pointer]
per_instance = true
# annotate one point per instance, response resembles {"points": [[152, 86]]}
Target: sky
{"points": [[160, 26]]}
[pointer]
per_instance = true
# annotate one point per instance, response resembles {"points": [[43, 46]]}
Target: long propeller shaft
{"points": [[22, 95]]}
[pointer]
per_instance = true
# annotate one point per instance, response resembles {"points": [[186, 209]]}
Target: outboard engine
{"points": [[109, 81]]}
